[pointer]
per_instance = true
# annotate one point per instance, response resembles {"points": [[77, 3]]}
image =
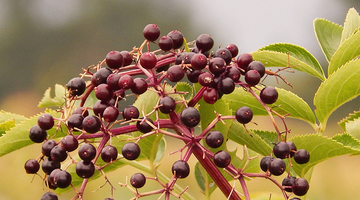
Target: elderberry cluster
{"points": [[91, 131]]}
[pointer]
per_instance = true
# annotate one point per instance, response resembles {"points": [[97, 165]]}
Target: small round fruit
{"points": [[281, 150], [226, 85], [62, 179], [45, 121], [198, 61], [138, 180], [214, 139], [166, 43], [288, 182], [32, 166], [76, 86], [217, 66], [175, 73], [204, 42], [193, 75], [100, 76], [206, 79], [177, 38], [49, 196], [269, 95], [85, 169], [181, 169], [103, 92], [167, 105], [69, 143], [234, 50], [140, 86], [265, 162], [114, 59], [301, 156], [151, 32], [300, 187], [222, 159], [87, 152], [49, 165], [243, 61], [148, 60], [47, 146], [252, 77], [131, 151], [37, 135], [210, 95], [126, 82], [110, 114], [144, 126], [244, 115], [75, 121], [58, 154], [292, 148], [109, 153], [99, 107], [190, 117], [127, 58], [91, 124], [224, 54], [258, 66], [277, 167], [130, 112]]}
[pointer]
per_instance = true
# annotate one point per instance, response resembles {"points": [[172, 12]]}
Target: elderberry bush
{"points": [[195, 93]]}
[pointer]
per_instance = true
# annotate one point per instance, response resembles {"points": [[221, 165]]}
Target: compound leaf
{"points": [[57, 101]]}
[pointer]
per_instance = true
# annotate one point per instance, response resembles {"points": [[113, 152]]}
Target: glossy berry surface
{"points": [[58, 154], [190, 117], [87, 152], [167, 105], [222, 159], [166, 43], [210, 95], [224, 54], [244, 115], [138, 180], [281, 150], [233, 73], [126, 82], [91, 124], [198, 61], [75, 121], [300, 187], [131, 151], [265, 162], [217, 66], [204, 42], [32, 166], [302, 156], [114, 59], [214, 139], [127, 58], [45, 121], [103, 92], [47, 146], [243, 61], [130, 112], [206, 79], [76, 86], [140, 86], [288, 181], [252, 77], [69, 143], [62, 179], [85, 169], [100, 76], [226, 85], [234, 50], [109, 153], [148, 60], [151, 32], [49, 165], [258, 66], [177, 38], [269, 95], [110, 114], [144, 126], [82, 111], [49, 196], [181, 169], [193, 75], [37, 135], [277, 167], [292, 148], [175, 73], [99, 107]]}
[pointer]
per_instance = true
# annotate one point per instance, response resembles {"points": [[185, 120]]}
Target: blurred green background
{"points": [[44, 42]]}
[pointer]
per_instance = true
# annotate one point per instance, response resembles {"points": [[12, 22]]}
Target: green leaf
{"points": [[348, 50], [5, 126], [6, 116], [338, 89], [186, 88], [18, 137], [351, 24], [348, 119], [286, 55], [287, 103], [353, 127], [328, 35], [57, 101], [347, 140], [320, 148]]}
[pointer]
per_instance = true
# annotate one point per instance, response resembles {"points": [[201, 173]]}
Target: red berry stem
{"points": [[197, 97]]}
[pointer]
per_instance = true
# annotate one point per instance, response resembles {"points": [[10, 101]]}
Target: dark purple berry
{"points": [[140, 86], [222, 159], [233, 73], [47, 146], [224, 54], [138, 180], [49, 165], [265, 162], [167, 105], [175, 73], [58, 154], [244, 115], [100, 76], [180, 169], [234, 50], [193, 75], [214, 139], [85, 169], [49, 196], [292, 148], [144, 126], [130, 112], [131, 151], [75, 121], [69, 143], [110, 114], [87, 152], [226, 85], [148, 60], [166, 43], [277, 167], [62, 179], [252, 77], [81, 110], [37, 135], [243, 61], [269, 95], [184, 58], [210, 95], [45, 121], [114, 59], [151, 32], [217, 66], [91, 124], [190, 117], [281, 150], [177, 38], [127, 58], [32, 166], [76, 86], [288, 182], [126, 82], [258, 66], [206, 79], [51, 177], [204, 42], [300, 187], [109, 153], [99, 107], [301, 156], [198, 61], [113, 81]]}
